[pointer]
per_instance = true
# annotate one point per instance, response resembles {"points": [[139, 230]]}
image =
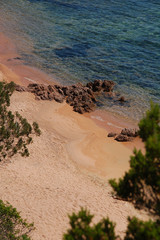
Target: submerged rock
{"points": [[122, 99]]}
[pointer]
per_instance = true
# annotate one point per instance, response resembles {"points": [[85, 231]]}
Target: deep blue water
{"points": [[79, 41]]}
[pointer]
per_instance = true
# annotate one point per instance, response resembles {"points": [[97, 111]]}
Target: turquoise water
{"points": [[80, 41]]}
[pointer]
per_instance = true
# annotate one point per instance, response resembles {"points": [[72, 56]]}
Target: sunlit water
{"points": [[80, 41]]}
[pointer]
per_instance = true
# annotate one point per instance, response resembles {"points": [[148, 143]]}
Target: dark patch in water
{"points": [[78, 50], [80, 41]]}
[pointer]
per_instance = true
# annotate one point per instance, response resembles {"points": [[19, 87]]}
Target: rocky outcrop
{"points": [[81, 97], [130, 132], [126, 135], [43, 92], [99, 85]]}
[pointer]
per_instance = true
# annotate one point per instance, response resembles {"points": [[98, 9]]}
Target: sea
{"points": [[80, 41]]}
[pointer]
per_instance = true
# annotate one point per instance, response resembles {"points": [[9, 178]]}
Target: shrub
{"points": [[15, 131], [141, 184], [12, 226], [36, 128], [140, 230], [81, 228]]}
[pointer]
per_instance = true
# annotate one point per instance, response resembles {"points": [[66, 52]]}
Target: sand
{"points": [[69, 164]]}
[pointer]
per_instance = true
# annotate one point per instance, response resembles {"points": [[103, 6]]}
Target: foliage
{"points": [[81, 228], [15, 131], [138, 230], [141, 184], [12, 226], [150, 124], [36, 128]]}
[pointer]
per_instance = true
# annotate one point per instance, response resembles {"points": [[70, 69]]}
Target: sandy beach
{"points": [[69, 164]]}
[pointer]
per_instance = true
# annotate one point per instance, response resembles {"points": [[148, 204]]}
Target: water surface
{"points": [[80, 41]]}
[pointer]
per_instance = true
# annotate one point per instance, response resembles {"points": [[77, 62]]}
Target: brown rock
{"points": [[59, 98], [97, 86], [130, 132], [60, 91], [37, 98], [112, 134], [108, 86], [122, 99], [39, 93], [20, 88], [32, 85], [44, 96], [82, 98], [65, 90], [51, 95], [123, 138], [79, 109], [51, 88], [89, 85]]}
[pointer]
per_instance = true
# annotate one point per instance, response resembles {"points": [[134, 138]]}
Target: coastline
{"points": [[69, 165], [22, 74], [12, 68]]}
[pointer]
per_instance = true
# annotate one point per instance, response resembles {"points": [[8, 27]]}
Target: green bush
{"points": [[141, 184], [81, 228], [140, 230], [15, 131], [12, 226], [150, 124]]}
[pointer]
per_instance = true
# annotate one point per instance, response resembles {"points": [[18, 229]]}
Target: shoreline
{"points": [[69, 164], [16, 70], [23, 74]]}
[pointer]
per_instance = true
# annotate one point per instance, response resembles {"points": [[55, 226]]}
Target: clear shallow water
{"points": [[80, 41]]}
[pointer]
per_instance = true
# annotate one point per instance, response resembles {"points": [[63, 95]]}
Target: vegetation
{"points": [[15, 131], [81, 228], [141, 185], [140, 230], [15, 135], [12, 226]]}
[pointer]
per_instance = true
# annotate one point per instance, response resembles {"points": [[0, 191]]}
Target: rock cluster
{"points": [[130, 132], [81, 97], [43, 92], [99, 85], [126, 135]]}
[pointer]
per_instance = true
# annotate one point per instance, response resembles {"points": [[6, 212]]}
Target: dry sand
{"points": [[68, 166]]}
